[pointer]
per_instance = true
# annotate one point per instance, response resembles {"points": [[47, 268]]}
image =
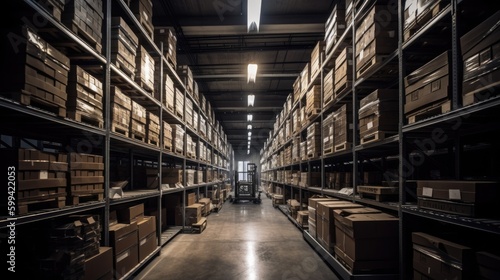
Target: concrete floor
{"points": [[243, 241]]}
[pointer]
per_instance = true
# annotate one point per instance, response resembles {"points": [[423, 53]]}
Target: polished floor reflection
{"points": [[244, 241]]}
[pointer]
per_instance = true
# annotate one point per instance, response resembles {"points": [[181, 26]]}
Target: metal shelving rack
{"points": [[49, 126], [478, 118]]}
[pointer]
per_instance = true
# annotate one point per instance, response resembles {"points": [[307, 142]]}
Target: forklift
{"points": [[247, 190]]}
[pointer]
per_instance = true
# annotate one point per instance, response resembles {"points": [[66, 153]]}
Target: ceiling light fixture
{"points": [[253, 16], [249, 133], [249, 117], [252, 72], [248, 152], [249, 127], [251, 99], [249, 138]]}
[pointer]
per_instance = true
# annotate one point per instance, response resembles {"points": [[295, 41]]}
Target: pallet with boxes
{"points": [[327, 127], [328, 87], [124, 44], [179, 103], [314, 140], [378, 115], [480, 55], [86, 180], [335, 26], [343, 72], [121, 111], [144, 74], [428, 89], [313, 102], [54, 7], [184, 72], [42, 179], [38, 74], [153, 129], [178, 139], [138, 122], [85, 18], [418, 13], [85, 96], [317, 57], [165, 36], [143, 11], [375, 39], [343, 128]]}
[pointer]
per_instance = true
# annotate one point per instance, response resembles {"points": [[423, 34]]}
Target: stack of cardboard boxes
{"points": [[85, 93], [86, 180], [124, 44], [122, 111], [85, 18]]}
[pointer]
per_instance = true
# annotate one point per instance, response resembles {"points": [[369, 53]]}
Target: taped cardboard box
{"points": [[439, 258], [99, 266], [130, 214]]}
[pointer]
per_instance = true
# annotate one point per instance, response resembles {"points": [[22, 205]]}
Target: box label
{"points": [[427, 192], [454, 194]]}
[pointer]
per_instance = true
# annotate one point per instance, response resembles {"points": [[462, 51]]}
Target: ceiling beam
{"points": [[229, 76], [248, 109]]}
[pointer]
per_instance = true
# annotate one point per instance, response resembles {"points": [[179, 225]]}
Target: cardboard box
{"points": [[126, 261], [100, 265], [488, 265], [368, 241], [145, 226], [428, 84], [206, 205], [464, 191], [130, 214], [193, 213], [438, 258], [147, 245], [191, 199], [122, 236], [481, 56]]}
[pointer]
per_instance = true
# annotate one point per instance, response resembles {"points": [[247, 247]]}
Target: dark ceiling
{"points": [[212, 39]]}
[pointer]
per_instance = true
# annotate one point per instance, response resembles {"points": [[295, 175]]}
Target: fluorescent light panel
{"points": [[249, 117], [253, 16], [252, 72], [249, 127], [251, 99]]}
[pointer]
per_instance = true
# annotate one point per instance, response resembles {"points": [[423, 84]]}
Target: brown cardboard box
{"points": [[122, 236], [130, 214], [324, 215], [191, 198], [193, 213], [145, 226], [206, 205], [370, 246], [302, 217], [147, 245], [464, 191], [99, 265], [428, 84], [126, 260], [488, 265], [432, 257]]}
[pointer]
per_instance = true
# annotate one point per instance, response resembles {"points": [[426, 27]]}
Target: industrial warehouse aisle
{"points": [[242, 241]]}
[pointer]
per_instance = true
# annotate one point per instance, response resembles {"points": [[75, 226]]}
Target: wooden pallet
{"points": [[201, 225], [41, 203], [312, 113], [376, 136], [88, 38], [178, 151], [179, 113], [153, 140], [343, 88], [377, 59], [144, 85], [138, 136], [378, 193], [120, 129], [148, 27], [87, 196], [343, 146], [313, 155], [26, 98], [127, 68], [328, 151], [171, 61], [53, 7], [379, 197], [423, 19], [328, 100], [431, 111], [84, 117]]}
